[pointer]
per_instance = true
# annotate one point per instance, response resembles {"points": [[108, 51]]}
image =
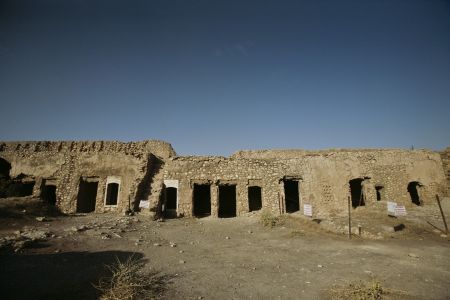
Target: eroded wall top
{"points": [[298, 153], [137, 149]]}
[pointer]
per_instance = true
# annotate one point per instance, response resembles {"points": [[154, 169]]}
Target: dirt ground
{"points": [[61, 257]]}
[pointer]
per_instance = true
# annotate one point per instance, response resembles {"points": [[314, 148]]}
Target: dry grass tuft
{"points": [[372, 290], [128, 282], [267, 219]]}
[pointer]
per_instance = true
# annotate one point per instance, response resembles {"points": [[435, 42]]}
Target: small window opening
{"points": [[112, 193], [379, 191], [291, 196], [87, 196], [414, 193], [48, 194], [227, 201], [254, 198], [202, 200], [356, 192]]}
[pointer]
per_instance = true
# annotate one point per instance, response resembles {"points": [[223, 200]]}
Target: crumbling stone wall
{"points": [[323, 177], [445, 155], [66, 163], [192, 170], [142, 167]]}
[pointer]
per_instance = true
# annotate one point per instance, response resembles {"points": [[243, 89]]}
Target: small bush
{"points": [[127, 282], [267, 219]]}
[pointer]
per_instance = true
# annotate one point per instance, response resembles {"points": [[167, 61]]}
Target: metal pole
{"points": [[349, 219], [442, 213]]}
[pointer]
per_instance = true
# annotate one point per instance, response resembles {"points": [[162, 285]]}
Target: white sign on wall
{"points": [[391, 208], [144, 204], [400, 211], [307, 210]]}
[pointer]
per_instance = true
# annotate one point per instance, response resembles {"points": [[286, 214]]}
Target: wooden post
{"points": [[349, 219], [442, 213]]}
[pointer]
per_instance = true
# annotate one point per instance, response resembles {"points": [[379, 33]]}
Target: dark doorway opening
{"points": [[17, 188], [356, 192], [291, 196], [414, 193], [379, 190], [227, 201], [48, 194], [112, 193], [20, 186], [202, 200], [87, 195], [170, 207], [254, 198], [5, 166], [171, 198]]}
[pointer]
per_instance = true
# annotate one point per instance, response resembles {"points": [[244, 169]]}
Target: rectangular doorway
{"points": [[356, 192], [87, 196], [48, 194], [291, 196], [170, 203], [202, 200], [227, 201], [112, 194], [254, 198]]}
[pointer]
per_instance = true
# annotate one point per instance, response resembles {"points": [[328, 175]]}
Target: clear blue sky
{"points": [[213, 77]]}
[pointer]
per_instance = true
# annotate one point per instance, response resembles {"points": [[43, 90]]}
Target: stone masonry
{"points": [[120, 176], [65, 164], [446, 163]]}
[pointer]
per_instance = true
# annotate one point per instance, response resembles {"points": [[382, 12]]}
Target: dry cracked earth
{"points": [[44, 255]]}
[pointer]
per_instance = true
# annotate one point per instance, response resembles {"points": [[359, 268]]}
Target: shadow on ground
{"points": [[27, 207], [68, 275]]}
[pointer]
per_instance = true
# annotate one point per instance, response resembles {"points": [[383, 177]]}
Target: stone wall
{"points": [[141, 168], [65, 164], [445, 155], [220, 170], [323, 177]]}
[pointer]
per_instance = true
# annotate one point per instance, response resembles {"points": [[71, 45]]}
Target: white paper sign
{"points": [[400, 211], [144, 204], [391, 208], [307, 210]]}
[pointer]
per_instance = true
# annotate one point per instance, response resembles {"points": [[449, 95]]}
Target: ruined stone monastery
{"points": [[148, 176]]}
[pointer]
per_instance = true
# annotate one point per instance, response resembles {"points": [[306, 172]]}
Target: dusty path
{"points": [[217, 259]]}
